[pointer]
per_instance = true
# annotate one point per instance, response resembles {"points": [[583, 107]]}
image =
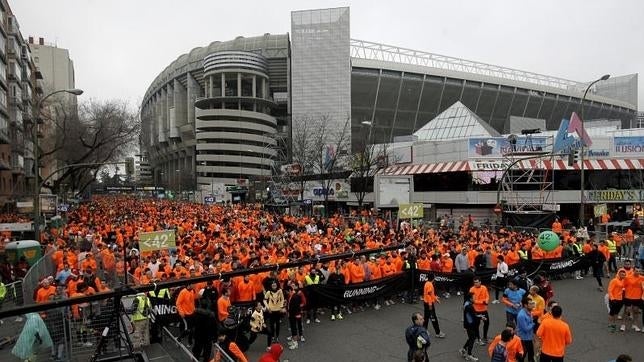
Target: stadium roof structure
{"points": [[456, 122]]}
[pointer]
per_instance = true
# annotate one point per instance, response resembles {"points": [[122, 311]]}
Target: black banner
{"points": [[322, 295], [550, 267], [326, 295], [164, 311]]}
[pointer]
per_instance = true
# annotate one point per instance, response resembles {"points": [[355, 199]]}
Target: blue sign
{"points": [[565, 140], [629, 144], [209, 200], [307, 201]]}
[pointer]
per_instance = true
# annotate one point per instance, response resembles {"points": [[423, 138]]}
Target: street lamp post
{"points": [[36, 146], [582, 205]]}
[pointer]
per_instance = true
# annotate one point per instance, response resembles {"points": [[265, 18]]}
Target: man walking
{"points": [[555, 335], [429, 301], [525, 328], [417, 337], [481, 298]]}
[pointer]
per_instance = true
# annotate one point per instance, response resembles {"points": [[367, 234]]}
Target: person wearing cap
{"points": [[45, 291], [616, 299]]}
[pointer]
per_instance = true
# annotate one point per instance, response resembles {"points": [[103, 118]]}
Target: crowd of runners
{"points": [[98, 246]]}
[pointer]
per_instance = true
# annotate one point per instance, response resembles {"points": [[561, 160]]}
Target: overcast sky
{"points": [[120, 46]]}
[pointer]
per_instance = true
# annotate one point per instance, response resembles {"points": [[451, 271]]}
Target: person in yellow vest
{"points": [[612, 250], [141, 308], [312, 278]]}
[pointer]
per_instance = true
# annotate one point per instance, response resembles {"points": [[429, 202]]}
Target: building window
{"points": [[216, 85], [247, 85], [231, 85]]}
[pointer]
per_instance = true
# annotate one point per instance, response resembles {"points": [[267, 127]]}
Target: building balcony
{"points": [[15, 102], [17, 163], [4, 136], [27, 116]]}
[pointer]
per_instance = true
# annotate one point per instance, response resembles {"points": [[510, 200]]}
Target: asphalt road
{"points": [[379, 335]]}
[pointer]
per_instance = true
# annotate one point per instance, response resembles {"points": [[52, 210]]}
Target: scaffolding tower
{"points": [[527, 185]]}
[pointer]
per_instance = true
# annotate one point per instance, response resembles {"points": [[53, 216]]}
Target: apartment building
{"points": [[20, 85]]}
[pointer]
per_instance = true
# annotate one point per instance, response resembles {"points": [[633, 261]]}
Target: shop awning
{"points": [[500, 165], [416, 169]]}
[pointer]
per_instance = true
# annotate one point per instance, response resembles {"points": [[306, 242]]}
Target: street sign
{"points": [[410, 211], [157, 240], [307, 201], [209, 200], [235, 188]]}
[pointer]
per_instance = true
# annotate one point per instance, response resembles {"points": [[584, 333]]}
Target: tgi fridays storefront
{"points": [[613, 186]]}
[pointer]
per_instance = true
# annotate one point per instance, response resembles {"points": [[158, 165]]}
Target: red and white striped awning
{"points": [[562, 165], [454, 166], [498, 165]]}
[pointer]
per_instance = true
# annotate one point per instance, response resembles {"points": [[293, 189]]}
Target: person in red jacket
{"points": [[274, 353]]}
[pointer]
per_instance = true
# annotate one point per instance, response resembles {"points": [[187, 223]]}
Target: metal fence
{"points": [[177, 350], [43, 267]]}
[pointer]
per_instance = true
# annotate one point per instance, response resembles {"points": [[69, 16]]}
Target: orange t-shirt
{"points": [[555, 336], [245, 291], [616, 289], [513, 347], [223, 304], [633, 286], [481, 298], [429, 296]]}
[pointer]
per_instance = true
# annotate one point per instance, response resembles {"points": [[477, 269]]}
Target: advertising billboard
{"points": [[497, 147], [628, 145], [393, 191]]}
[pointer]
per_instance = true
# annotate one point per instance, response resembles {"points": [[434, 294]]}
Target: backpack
{"points": [[499, 354]]}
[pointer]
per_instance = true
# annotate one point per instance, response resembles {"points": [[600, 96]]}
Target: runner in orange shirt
{"points": [[615, 299], [480, 301], [555, 335], [429, 304], [633, 299]]}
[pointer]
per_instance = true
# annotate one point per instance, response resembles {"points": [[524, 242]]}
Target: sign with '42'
{"points": [[157, 240], [410, 211]]}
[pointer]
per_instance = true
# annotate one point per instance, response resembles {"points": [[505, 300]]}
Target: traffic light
{"points": [[129, 166], [573, 157]]}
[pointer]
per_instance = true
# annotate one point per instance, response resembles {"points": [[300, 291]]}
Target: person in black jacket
{"points": [[205, 324], [417, 337], [470, 325], [295, 306], [597, 260], [336, 279]]}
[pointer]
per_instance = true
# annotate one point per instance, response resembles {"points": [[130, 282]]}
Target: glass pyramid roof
{"points": [[456, 122]]}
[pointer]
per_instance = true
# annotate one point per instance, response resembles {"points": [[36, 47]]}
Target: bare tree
{"points": [[365, 164], [330, 148], [304, 145], [95, 132]]}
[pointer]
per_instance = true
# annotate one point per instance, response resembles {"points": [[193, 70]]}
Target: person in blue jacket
{"points": [[512, 299], [525, 328]]}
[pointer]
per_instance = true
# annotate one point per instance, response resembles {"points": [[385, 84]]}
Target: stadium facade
{"points": [[215, 114]]}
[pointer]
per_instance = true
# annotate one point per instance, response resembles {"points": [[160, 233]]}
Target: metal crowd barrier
{"points": [[177, 350], [43, 267]]}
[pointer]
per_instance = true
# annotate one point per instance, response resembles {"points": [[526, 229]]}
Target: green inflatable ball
{"points": [[548, 241]]}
